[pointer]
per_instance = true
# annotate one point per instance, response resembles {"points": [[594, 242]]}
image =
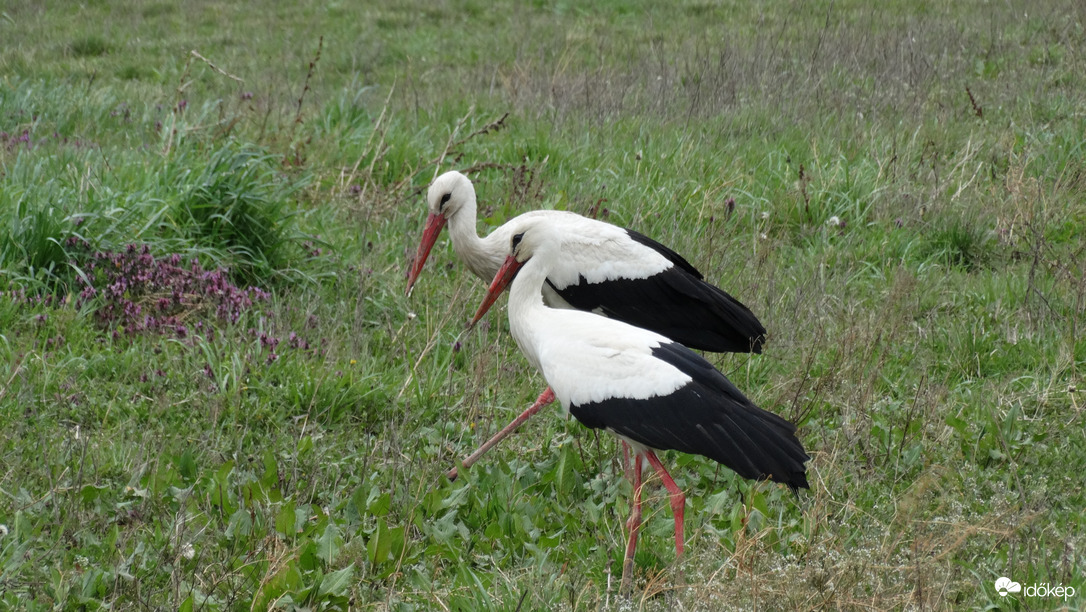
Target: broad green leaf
{"points": [[239, 525], [380, 544], [287, 581], [91, 492], [284, 520], [186, 465], [569, 464], [329, 543], [381, 505], [338, 583], [270, 479], [305, 445]]}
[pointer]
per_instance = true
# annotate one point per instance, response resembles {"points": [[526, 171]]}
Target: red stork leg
{"points": [[678, 500], [544, 398], [633, 524], [626, 461]]}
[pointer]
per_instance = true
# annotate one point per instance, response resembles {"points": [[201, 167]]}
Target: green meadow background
{"points": [[214, 394]]}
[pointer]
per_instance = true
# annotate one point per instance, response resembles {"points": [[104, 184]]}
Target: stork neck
{"points": [[525, 294], [466, 241]]}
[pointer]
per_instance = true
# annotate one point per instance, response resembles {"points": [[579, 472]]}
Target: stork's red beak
{"points": [[430, 232], [502, 279]]}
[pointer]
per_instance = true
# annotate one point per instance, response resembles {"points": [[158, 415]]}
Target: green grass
{"points": [[909, 206]]}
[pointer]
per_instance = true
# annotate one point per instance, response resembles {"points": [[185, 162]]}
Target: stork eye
{"points": [[516, 241], [444, 201]]}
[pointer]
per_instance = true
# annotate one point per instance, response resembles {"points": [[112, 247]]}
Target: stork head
{"points": [[448, 195], [530, 238]]}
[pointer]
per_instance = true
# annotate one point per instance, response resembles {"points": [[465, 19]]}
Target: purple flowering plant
{"points": [[133, 292]]}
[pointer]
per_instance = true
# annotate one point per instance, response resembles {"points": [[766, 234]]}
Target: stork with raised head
{"points": [[650, 391], [613, 271]]}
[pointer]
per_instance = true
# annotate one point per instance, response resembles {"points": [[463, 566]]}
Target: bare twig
{"points": [[480, 166], [493, 126], [977, 110], [308, 77], [226, 74], [804, 178], [451, 145]]}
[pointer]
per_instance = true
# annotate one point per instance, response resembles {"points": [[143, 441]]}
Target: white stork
{"points": [[651, 392], [612, 271]]}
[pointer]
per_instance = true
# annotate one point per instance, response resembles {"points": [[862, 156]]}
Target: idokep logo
{"points": [[1005, 586]]}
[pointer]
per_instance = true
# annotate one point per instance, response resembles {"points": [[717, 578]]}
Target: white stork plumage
{"points": [[606, 269], [651, 392]]}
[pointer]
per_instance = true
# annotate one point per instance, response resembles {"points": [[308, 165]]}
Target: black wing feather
{"points": [[708, 416], [676, 304]]}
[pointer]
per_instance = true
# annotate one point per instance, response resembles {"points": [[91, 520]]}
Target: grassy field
{"points": [[215, 396]]}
